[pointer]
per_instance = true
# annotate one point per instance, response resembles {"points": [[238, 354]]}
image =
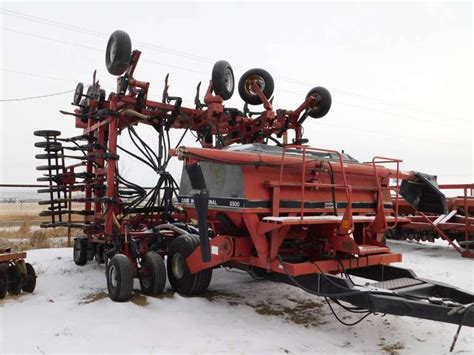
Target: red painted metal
{"points": [[447, 227], [348, 231]]}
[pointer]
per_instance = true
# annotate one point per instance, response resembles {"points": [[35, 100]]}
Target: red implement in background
{"points": [[456, 226]]}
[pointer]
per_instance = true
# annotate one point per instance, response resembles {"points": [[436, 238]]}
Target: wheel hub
{"points": [[113, 276], [317, 101], [145, 277], [229, 79], [257, 79], [178, 266], [113, 49], [77, 250]]}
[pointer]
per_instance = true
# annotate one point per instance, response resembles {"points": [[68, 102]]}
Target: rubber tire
{"points": [[78, 92], [14, 280], [122, 291], [29, 283], [80, 251], [219, 79], [102, 95], [3, 280], [99, 254], [189, 284], [155, 264], [267, 90], [91, 249], [118, 61], [257, 273], [324, 104]]}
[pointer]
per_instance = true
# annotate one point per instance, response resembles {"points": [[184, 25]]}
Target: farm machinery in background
{"points": [[16, 275], [456, 226], [247, 198]]}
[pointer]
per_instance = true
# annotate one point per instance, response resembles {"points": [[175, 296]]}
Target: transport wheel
{"points": [[99, 254], [3, 280], [14, 280], [119, 274], [29, 283], [223, 79], [262, 78], [179, 275], [323, 104], [78, 93], [91, 250], [80, 251], [152, 274], [102, 95], [257, 273], [118, 53]]}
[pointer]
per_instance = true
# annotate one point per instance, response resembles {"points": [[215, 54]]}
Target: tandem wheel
{"points": [[16, 277], [80, 251], [181, 279], [29, 280], [14, 280], [119, 273], [152, 274]]}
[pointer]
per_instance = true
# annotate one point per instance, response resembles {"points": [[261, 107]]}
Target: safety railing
{"points": [[304, 185], [383, 160]]}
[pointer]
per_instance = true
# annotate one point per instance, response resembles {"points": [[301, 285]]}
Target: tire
{"points": [[265, 81], [78, 93], [181, 279], [102, 95], [223, 80], [118, 53], [3, 280], [80, 251], [257, 273], [91, 250], [321, 108], [14, 280], [29, 283], [99, 254], [153, 277], [119, 274]]}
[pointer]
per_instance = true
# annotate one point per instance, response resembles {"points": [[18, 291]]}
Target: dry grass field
{"points": [[19, 228]]}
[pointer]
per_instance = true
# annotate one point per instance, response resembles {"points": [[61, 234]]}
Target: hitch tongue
{"points": [[201, 203]]}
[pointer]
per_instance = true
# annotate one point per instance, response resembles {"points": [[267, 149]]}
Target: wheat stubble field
{"points": [[20, 228]]}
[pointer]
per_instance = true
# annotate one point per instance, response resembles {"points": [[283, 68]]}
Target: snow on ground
{"points": [[70, 312]]}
